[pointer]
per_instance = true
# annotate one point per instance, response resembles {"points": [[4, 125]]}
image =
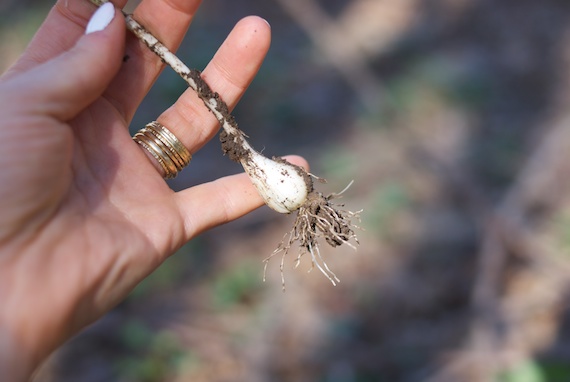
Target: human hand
{"points": [[85, 215]]}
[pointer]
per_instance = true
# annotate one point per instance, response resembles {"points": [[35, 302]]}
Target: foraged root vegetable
{"points": [[284, 186]]}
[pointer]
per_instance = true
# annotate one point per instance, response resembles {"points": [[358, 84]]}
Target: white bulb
{"points": [[282, 185]]}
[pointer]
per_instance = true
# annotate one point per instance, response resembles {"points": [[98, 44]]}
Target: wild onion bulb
{"points": [[282, 185], [285, 187]]}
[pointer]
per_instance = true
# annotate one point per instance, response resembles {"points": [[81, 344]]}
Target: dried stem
{"points": [[505, 234], [349, 61]]}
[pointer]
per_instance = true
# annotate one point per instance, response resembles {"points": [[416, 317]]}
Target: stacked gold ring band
{"points": [[168, 151]]}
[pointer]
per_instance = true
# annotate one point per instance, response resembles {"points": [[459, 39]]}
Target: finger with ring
{"points": [[164, 147]]}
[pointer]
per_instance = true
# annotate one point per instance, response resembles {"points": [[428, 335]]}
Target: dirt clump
{"points": [[232, 146]]}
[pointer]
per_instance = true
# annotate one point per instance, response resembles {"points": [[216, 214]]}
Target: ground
{"points": [[452, 119]]}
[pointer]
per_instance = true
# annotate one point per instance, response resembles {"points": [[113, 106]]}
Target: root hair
{"points": [[318, 218]]}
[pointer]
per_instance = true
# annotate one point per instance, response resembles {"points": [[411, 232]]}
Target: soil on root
{"points": [[318, 218], [232, 146], [325, 220], [206, 94]]}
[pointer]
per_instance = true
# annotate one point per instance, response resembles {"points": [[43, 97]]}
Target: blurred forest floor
{"points": [[453, 119]]}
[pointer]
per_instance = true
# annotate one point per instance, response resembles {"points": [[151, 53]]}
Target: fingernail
{"points": [[101, 18]]}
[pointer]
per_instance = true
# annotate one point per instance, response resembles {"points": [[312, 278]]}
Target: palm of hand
{"points": [[87, 209], [85, 214]]}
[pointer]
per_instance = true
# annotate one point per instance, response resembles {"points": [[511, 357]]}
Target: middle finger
{"points": [[229, 74]]}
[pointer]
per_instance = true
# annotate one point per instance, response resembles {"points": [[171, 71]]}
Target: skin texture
{"points": [[85, 215]]}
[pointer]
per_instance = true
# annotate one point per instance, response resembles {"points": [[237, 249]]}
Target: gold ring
{"points": [[169, 152]]}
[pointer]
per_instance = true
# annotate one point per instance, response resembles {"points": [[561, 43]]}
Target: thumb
{"points": [[68, 83]]}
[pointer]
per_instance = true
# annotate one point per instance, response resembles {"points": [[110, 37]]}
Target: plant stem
{"points": [[212, 100]]}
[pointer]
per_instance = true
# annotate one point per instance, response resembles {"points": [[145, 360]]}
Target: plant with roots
{"points": [[285, 187]]}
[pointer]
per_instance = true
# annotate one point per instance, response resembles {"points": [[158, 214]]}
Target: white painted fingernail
{"points": [[101, 18], [267, 22]]}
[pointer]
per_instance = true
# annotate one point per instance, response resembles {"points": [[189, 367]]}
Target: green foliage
{"points": [[555, 371], [386, 203], [338, 163], [25, 23], [238, 285], [562, 229], [153, 356], [173, 271], [168, 275], [528, 371], [453, 81], [17, 28]]}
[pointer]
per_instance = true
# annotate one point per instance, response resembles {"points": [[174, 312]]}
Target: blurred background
{"points": [[453, 119]]}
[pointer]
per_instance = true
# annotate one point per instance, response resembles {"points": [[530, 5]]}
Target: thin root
{"points": [[318, 218]]}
